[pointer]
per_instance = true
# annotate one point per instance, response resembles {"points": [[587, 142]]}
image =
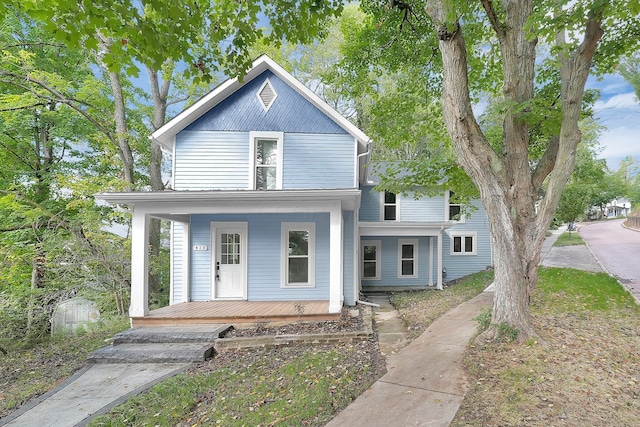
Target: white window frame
{"points": [[253, 137], [462, 219], [462, 235], [413, 242], [383, 204], [378, 245], [286, 227]]}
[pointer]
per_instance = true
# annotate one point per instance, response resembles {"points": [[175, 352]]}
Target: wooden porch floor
{"points": [[236, 312]]}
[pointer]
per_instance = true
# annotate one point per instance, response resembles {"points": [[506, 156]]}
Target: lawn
{"points": [[584, 370], [569, 238]]}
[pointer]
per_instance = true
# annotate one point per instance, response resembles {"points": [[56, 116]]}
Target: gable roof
{"points": [[165, 135]]}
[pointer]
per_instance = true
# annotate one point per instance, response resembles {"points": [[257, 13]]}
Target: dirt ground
{"points": [[587, 373]]}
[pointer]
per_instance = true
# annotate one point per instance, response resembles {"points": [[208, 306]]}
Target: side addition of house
{"points": [[271, 201]]}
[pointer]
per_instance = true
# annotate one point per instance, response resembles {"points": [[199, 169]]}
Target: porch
{"points": [[203, 312]]}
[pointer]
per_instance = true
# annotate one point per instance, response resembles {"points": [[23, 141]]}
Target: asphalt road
{"points": [[617, 249]]}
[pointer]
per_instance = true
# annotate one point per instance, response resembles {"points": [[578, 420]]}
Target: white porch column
{"points": [[430, 260], [139, 265], [439, 286], [335, 258]]}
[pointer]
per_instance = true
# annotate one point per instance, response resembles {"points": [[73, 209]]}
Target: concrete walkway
{"points": [[426, 381], [93, 390]]}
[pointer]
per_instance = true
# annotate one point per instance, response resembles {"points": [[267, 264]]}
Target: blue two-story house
{"points": [[271, 202]]}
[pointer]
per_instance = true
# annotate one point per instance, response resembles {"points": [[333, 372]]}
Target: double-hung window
{"points": [[390, 205], [453, 210], [464, 242], [370, 250], [298, 257], [266, 161], [407, 258]]}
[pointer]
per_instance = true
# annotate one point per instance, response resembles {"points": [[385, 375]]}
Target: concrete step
{"points": [[171, 334], [153, 353]]}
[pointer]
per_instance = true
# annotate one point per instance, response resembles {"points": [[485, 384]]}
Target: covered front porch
{"points": [[208, 312]]}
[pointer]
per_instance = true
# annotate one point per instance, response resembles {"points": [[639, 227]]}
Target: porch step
{"points": [[171, 334], [152, 353], [166, 344]]}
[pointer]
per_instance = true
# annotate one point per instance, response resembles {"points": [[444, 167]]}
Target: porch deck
{"points": [[200, 312]]}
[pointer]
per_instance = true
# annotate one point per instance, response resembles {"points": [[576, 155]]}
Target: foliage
{"points": [[27, 372], [207, 36]]}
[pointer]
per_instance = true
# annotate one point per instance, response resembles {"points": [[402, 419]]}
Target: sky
{"points": [[618, 111]]}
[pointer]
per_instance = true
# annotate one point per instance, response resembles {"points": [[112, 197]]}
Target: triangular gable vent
{"points": [[267, 95]]}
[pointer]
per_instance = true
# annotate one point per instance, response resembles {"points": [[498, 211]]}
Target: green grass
{"points": [[569, 290], [569, 238], [292, 386]]}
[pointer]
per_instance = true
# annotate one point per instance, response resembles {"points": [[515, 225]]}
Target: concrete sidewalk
{"points": [[92, 390], [426, 381]]}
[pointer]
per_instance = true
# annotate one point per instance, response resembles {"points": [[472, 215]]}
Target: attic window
{"points": [[267, 95]]}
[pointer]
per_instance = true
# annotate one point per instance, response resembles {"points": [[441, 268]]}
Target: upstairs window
{"points": [[454, 210], [390, 207], [266, 161], [266, 164]]}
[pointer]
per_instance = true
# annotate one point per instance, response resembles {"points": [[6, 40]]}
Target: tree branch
{"points": [[498, 26]]}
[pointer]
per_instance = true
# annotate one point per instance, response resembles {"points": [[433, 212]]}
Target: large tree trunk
{"points": [[507, 183]]}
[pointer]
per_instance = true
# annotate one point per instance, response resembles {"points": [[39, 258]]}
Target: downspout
{"points": [[366, 153], [359, 301]]}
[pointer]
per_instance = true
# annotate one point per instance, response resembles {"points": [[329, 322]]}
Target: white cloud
{"points": [[622, 100]]}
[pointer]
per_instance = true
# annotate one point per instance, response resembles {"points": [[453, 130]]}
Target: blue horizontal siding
{"points": [[369, 204], [264, 263], [348, 258], [389, 262], [424, 209], [462, 265], [243, 111], [211, 161], [318, 161]]}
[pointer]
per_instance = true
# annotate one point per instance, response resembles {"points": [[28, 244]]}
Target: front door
{"points": [[229, 268]]}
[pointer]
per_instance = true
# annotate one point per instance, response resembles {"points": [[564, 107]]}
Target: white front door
{"points": [[229, 261]]}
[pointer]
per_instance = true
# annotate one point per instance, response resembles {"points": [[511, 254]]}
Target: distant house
{"points": [[272, 202], [618, 207]]}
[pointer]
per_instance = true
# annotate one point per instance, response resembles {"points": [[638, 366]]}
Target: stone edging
{"points": [[271, 341]]}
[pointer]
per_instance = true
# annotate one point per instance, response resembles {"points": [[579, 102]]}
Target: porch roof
{"points": [[177, 205], [403, 228]]}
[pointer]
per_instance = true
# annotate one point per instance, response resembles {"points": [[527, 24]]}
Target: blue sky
{"points": [[618, 111]]}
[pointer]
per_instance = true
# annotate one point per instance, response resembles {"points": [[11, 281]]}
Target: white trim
{"points": [[399, 228], [462, 235], [414, 243], [243, 226], [383, 204], [235, 201], [253, 136], [439, 263], [139, 265], [462, 219], [336, 258], [165, 134], [186, 278], [285, 228], [378, 261]]}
